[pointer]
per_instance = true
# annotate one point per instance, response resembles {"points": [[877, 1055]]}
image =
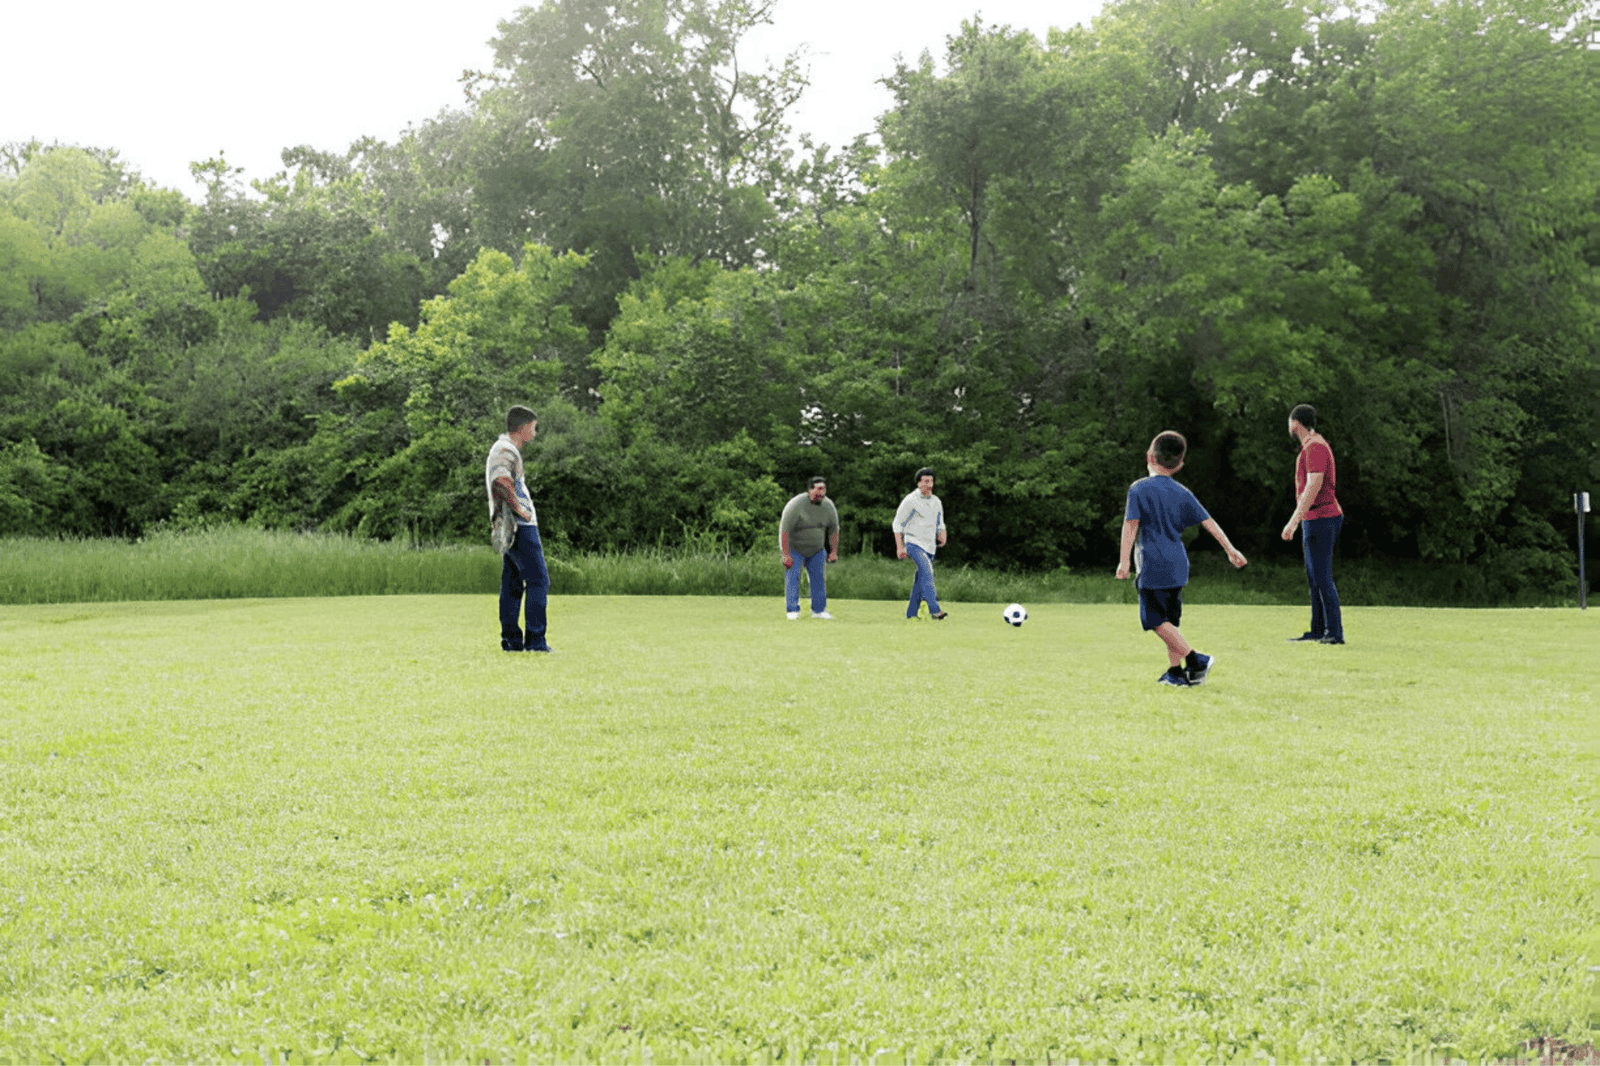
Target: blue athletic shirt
{"points": [[1163, 509]]}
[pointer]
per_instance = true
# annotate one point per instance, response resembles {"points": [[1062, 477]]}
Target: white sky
{"points": [[170, 82]]}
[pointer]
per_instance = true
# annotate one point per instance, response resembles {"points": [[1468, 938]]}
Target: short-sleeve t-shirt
{"points": [[505, 460], [1164, 509], [808, 523], [1317, 458]]}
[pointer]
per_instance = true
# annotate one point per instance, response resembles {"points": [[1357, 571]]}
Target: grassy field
{"points": [[340, 830]]}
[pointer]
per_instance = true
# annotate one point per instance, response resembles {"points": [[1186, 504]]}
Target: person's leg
{"points": [[918, 558], [1319, 536], [511, 586], [1310, 548], [924, 589], [1178, 648], [930, 594], [537, 577], [791, 585], [1161, 612], [816, 576]]}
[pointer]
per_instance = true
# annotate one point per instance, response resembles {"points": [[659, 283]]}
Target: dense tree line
{"points": [[1190, 215]]}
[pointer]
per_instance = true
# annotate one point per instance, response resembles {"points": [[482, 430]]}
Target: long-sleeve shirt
{"points": [[921, 520]]}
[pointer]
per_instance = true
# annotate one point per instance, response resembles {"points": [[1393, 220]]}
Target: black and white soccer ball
{"points": [[1015, 615]]}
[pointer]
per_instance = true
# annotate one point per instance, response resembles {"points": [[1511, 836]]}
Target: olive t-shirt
{"points": [[808, 523]]}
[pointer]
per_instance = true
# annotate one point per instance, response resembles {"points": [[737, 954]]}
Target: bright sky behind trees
{"points": [[170, 82]]}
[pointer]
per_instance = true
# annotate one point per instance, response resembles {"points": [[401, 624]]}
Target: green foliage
{"points": [[314, 245], [497, 339], [1184, 215], [631, 128], [72, 223]]}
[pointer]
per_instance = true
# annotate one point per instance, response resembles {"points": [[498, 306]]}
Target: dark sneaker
{"points": [[1197, 674], [539, 647], [1331, 640], [941, 616], [1307, 638], [1174, 677]]}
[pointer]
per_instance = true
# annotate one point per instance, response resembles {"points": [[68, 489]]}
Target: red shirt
{"points": [[1317, 458]]}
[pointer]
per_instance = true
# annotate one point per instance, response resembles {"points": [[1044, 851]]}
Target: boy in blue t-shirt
{"points": [[1159, 510]]}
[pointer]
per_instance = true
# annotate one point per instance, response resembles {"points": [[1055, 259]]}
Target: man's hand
{"points": [[1122, 571], [788, 560], [1288, 530], [833, 556]]}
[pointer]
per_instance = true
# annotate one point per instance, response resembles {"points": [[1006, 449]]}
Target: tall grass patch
{"points": [[341, 830], [234, 562]]}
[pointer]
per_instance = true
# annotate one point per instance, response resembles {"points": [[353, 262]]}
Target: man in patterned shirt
{"points": [[514, 525]]}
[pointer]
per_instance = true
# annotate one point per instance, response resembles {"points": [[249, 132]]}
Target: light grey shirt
{"points": [[921, 519]]}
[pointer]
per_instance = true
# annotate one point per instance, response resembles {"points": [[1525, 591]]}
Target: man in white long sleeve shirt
{"points": [[918, 533]]}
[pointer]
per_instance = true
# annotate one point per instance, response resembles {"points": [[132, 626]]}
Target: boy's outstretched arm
{"points": [[1235, 556], [1130, 530]]}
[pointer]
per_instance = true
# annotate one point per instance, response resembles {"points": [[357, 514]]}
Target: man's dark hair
{"points": [[1169, 448], [1305, 414], [814, 482], [926, 471], [518, 417]]}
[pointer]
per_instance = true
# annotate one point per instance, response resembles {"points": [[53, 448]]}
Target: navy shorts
{"points": [[1159, 606]]}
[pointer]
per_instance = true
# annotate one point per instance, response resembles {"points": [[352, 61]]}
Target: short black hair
{"points": [[1169, 448], [814, 482], [518, 417], [1305, 414], [926, 471]]}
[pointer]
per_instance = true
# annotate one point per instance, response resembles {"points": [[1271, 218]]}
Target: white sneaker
{"points": [[793, 616], [821, 614]]}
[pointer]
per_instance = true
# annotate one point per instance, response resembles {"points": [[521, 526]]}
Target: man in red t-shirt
{"points": [[1317, 512]]}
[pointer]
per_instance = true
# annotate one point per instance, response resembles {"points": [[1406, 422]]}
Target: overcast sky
{"points": [[169, 82]]}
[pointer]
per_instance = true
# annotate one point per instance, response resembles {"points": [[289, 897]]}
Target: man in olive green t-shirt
{"points": [[809, 525]]}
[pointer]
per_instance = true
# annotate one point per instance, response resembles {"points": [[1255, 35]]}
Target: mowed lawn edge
{"points": [[350, 829]]}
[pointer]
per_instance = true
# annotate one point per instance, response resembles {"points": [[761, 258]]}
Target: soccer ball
{"points": [[1016, 614]]}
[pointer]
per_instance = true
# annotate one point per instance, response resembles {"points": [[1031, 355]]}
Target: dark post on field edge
{"points": [[1580, 503]]}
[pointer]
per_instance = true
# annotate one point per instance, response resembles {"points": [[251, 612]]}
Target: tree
{"points": [[314, 244], [633, 127], [984, 123], [422, 402], [70, 220]]}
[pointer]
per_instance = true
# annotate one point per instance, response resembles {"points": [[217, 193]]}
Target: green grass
{"points": [[240, 562], [349, 829]]}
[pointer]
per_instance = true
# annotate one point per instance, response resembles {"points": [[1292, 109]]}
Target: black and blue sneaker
{"points": [[1202, 666], [1174, 677]]}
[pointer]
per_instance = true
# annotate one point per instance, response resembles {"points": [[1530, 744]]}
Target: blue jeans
{"points": [[814, 565], [1317, 536], [922, 587], [524, 583]]}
